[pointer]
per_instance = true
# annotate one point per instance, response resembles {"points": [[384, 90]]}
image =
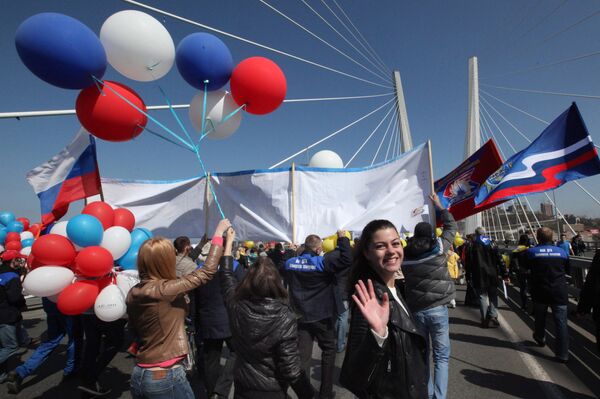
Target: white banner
{"points": [[259, 203]]}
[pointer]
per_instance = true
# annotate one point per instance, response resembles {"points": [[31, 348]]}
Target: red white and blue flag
{"points": [[457, 189], [67, 177], [563, 152]]}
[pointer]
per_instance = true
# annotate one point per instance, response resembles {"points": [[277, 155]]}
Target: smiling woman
{"points": [[389, 360]]}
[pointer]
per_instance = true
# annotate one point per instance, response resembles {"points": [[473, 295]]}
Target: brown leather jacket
{"points": [[157, 309]]}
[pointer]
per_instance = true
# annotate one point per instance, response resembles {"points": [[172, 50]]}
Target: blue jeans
{"points": [[488, 302], [59, 325], [433, 323], [8, 346], [341, 327], [559, 312], [173, 385]]}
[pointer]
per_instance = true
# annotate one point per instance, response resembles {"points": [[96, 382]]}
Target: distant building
{"points": [[547, 209]]}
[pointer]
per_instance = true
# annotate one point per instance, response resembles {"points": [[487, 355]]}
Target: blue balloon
{"points": [[202, 56], [85, 230], [15, 226], [27, 242], [3, 234], [60, 50], [6, 217], [129, 260], [138, 236]]}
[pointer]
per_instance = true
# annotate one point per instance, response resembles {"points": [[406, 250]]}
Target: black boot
{"points": [[14, 382]]}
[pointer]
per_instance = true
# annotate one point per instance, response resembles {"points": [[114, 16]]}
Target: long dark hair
{"points": [[360, 266], [262, 280]]}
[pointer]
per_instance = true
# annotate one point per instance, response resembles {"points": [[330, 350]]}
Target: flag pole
{"points": [[433, 222], [93, 141], [293, 171], [206, 204], [556, 215]]}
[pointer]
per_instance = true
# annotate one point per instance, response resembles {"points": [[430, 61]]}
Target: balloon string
{"points": [[210, 187], [191, 147], [203, 110], [214, 127], [191, 141], [160, 136]]}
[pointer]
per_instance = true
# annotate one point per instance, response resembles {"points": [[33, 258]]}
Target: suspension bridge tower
{"points": [[473, 136], [403, 127]]}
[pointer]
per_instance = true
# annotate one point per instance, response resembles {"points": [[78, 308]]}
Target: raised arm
{"points": [[449, 225], [227, 278]]}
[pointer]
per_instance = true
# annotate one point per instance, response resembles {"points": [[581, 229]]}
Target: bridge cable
{"points": [[189, 21], [387, 129], [345, 39], [370, 135], [331, 135], [382, 77]]}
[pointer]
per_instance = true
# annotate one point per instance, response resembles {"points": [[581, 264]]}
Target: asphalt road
{"points": [[485, 363]]}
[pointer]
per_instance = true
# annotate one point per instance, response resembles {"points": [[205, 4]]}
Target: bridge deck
{"points": [[492, 363]]}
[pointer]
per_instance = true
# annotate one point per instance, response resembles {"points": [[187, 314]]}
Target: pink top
{"points": [[164, 365]]}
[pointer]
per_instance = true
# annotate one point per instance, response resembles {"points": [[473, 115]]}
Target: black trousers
{"points": [[110, 334], [324, 334], [218, 380]]}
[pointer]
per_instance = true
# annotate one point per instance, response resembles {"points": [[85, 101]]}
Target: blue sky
{"points": [[428, 41]]}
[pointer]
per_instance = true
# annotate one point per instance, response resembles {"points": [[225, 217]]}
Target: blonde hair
{"points": [[156, 259]]}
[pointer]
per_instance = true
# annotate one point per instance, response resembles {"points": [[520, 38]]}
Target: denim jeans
{"points": [[341, 327], [59, 325], [174, 385], [433, 324], [8, 346], [559, 312], [488, 302]]}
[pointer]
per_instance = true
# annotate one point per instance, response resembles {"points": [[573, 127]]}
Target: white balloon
{"points": [[326, 159], [110, 304], [116, 240], [26, 235], [219, 104], [60, 228], [137, 45], [47, 280], [1, 248], [126, 280], [26, 251]]}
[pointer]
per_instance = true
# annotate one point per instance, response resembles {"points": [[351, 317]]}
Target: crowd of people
{"points": [[384, 303]]}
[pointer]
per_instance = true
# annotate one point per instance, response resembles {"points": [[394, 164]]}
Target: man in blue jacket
{"points": [[547, 263], [311, 282]]}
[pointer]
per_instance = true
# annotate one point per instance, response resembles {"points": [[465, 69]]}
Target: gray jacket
{"points": [[425, 269]]}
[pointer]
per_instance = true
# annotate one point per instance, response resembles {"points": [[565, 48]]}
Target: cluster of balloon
{"points": [[326, 159], [330, 242], [17, 234], [458, 240], [73, 264]]}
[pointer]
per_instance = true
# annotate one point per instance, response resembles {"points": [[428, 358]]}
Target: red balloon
{"points": [[124, 218], [12, 236], [258, 83], [78, 297], [14, 245], [107, 115], [32, 263], [94, 261], [101, 211], [35, 229], [53, 249], [105, 281], [25, 222]]}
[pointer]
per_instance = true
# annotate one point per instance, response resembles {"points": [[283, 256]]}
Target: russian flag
{"points": [[563, 152], [69, 176]]}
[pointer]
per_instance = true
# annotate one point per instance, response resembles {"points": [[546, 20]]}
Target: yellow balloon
{"points": [[403, 241], [328, 244], [458, 241], [438, 231], [249, 244]]}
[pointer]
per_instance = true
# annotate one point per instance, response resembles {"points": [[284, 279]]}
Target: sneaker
{"points": [[14, 382], [485, 323], [494, 322], [93, 389], [540, 342]]}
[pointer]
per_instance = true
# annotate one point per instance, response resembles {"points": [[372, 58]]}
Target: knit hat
{"points": [[423, 229]]}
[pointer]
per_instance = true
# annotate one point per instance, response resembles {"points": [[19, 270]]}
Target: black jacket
{"points": [[425, 268], [265, 338], [211, 314], [589, 299], [548, 278], [398, 370], [11, 296], [311, 280], [340, 280], [483, 264]]}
